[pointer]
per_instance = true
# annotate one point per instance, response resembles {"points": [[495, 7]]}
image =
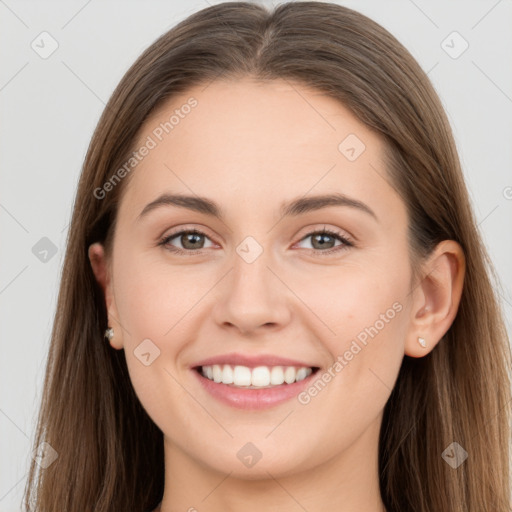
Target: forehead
{"points": [[262, 141]]}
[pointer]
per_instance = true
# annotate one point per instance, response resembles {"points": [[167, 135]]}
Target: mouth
{"points": [[259, 377]]}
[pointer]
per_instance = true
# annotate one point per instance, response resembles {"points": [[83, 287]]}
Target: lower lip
{"points": [[254, 398]]}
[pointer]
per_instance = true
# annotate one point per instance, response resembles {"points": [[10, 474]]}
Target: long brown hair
{"points": [[110, 453]]}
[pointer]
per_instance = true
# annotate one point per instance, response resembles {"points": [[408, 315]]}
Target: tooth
{"points": [[302, 373], [289, 375], [227, 374], [217, 373], [276, 375], [242, 376], [260, 376]]}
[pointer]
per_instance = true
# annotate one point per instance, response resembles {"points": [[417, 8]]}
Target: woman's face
{"points": [[259, 280]]}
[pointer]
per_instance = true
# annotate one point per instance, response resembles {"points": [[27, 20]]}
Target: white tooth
{"points": [[276, 376], [301, 374], [289, 374], [227, 374], [242, 376], [217, 373], [260, 376]]}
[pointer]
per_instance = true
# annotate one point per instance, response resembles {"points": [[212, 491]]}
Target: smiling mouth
{"points": [[259, 377]]}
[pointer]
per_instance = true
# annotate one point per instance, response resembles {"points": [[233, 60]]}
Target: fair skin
{"points": [[249, 147]]}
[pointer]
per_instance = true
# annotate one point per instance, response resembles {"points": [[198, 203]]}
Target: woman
{"points": [[241, 368]]}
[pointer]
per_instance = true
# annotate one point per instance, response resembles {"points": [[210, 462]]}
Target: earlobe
{"points": [[436, 298]]}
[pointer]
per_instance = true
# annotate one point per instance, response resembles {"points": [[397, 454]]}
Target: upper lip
{"points": [[251, 361]]}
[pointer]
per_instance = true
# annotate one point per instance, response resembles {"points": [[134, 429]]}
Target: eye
{"points": [[191, 241], [323, 240], [189, 238]]}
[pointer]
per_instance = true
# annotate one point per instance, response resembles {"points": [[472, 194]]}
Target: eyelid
{"points": [[330, 230], [198, 228]]}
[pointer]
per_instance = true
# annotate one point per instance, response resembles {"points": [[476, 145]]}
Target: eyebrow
{"points": [[293, 208]]}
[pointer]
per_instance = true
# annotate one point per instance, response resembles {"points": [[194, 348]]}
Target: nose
{"points": [[252, 297]]}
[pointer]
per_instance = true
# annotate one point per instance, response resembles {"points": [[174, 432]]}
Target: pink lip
{"points": [[252, 361], [253, 399]]}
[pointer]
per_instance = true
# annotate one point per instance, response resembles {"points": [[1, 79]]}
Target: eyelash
{"points": [[346, 242]]}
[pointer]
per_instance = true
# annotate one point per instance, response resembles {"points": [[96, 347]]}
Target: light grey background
{"points": [[50, 106]]}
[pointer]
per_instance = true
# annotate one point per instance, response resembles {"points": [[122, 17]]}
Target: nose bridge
{"points": [[250, 268]]}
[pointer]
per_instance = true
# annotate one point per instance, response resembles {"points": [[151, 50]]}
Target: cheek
{"points": [[153, 297], [350, 299], [363, 312], [152, 303], [369, 317]]}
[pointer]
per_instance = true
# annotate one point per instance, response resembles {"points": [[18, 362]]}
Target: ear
{"points": [[103, 274], [436, 297]]}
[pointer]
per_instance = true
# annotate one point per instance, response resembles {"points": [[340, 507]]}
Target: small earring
{"points": [[109, 333], [422, 342]]}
